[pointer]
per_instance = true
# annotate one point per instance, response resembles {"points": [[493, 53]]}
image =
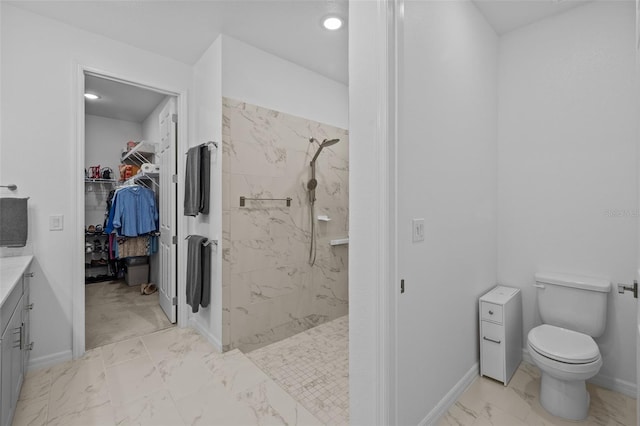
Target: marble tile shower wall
{"points": [[269, 290]]}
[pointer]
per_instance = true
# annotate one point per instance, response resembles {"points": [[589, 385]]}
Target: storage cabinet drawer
{"points": [[492, 346], [491, 312]]}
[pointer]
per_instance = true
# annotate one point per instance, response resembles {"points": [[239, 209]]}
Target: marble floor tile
{"points": [[117, 312], [99, 415], [272, 405], [156, 409], [126, 350], [31, 412], [78, 387], [488, 402], [214, 405], [132, 380], [172, 377]]}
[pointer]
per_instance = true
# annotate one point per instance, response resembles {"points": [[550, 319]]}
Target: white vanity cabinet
{"points": [[15, 345], [500, 333]]}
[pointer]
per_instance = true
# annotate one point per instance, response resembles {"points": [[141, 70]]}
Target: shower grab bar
{"points": [[209, 144], [243, 199], [205, 243]]}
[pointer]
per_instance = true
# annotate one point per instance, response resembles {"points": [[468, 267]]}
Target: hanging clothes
{"points": [[133, 212]]}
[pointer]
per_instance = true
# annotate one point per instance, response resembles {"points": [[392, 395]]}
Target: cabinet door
{"points": [[492, 356], [5, 377], [11, 364]]}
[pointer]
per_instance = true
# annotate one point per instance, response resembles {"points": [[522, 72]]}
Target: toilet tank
{"points": [[575, 302]]}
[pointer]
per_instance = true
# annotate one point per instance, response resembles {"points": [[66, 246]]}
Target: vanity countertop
{"points": [[11, 270]]}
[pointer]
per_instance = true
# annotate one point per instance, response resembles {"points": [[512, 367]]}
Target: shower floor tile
{"points": [[313, 367]]}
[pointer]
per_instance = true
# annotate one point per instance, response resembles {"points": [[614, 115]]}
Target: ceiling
{"points": [[120, 101], [507, 15], [184, 29]]}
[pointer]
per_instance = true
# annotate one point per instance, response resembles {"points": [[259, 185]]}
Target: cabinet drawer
{"points": [[491, 312], [492, 350]]}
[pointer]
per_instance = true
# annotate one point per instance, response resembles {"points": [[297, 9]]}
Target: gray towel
{"points": [[13, 222], [206, 276], [192, 182], [205, 178], [198, 273]]}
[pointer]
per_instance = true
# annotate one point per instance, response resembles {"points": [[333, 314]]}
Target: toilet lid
{"points": [[563, 345]]}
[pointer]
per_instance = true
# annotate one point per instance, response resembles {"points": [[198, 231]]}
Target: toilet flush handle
{"points": [[633, 288], [536, 285]]}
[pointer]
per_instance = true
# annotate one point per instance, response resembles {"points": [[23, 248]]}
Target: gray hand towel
{"points": [[205, 178], [206, 276], [192, 182], [194, 271], [13, 222]]}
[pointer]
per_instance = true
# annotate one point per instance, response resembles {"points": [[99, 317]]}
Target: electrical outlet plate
{"points": [[417, 230], [56, 222]]}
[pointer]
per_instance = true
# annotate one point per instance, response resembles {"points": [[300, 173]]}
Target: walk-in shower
{"points": [[311, 187]]}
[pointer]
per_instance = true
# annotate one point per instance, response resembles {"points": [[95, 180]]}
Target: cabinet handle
{"points": [[29, 347], [491, 340], [490, 312], [28, 275], [28, 307]]}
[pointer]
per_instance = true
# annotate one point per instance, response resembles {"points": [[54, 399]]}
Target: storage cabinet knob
{"points": [[490, 312]]}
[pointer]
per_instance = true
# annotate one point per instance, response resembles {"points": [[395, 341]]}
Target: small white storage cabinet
{"points": [[500, 333]]}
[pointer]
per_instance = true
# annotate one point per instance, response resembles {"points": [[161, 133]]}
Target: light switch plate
{"points": [[417, 230], [56, 222]]}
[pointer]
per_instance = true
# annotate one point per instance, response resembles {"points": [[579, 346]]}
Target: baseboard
{"points": [[49, 360], [195, 324], [451, 397], [617, 385]]}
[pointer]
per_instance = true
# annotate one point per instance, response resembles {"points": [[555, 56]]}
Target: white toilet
{"points": [[573, 310]]}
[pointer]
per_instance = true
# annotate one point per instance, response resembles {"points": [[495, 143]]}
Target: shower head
{"points": [[325, 143]]}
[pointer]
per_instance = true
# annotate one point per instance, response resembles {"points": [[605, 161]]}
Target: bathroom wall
{"points": [[269, 290], [446, 171], [40, 56], [567, 174]]}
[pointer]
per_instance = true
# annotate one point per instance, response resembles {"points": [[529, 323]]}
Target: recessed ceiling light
{"points": [[91, 96], [332, 23]]}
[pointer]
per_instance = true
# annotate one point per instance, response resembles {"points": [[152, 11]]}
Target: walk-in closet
{"points": [[130, 145]]}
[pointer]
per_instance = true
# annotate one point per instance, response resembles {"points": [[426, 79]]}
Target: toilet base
{"points": [[566, 399]]}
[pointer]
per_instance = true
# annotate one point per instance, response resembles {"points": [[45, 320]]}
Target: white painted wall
{"points": [[206, 125], [260, 78], [39, 73], [104, 140], [447, 166], [567, 157]]}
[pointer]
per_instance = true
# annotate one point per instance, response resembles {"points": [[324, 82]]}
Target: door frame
{"points": [[374, 286], [77, 260]]}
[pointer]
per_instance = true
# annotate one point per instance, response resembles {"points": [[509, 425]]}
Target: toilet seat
{"points": [[562, 345]]}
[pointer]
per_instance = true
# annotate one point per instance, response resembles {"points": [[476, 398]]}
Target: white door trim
{"points": [[373, 280], [77, 259]]}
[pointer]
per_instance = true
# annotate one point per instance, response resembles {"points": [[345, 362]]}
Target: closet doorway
{"points": [[130, 145]]}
